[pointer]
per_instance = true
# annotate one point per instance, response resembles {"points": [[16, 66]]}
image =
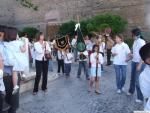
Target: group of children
{"points": [[121, 55]]}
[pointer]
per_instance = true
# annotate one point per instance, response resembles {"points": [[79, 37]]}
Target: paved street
{"points": [[71, 96]]}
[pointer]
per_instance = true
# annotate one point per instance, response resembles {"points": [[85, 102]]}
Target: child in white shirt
{"points": [[68, 57], [96, 60], [120, 52], [144, 78]]}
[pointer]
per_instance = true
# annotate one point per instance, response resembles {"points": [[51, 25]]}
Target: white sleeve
{"points": [[101, 59], [48, 47], [38, 49], [92, 60], [112, 50], [127, 49], [86, 53]]}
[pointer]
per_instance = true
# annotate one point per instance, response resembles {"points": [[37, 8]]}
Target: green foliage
{"points": [[28, 4], [67, 28], [129, 41], [97, 24], [31, 31]]}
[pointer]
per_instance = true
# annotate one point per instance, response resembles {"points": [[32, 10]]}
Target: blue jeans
{"points": [[134, 82], [85, 66], [120, 75], [67, 69], [50, 67]]}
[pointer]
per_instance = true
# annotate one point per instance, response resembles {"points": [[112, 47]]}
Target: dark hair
{"points": [[11, 34], [120, 36], [38, 35], [94, 46], [136, 31], [23, 34], [2, 28], [145, 52]]}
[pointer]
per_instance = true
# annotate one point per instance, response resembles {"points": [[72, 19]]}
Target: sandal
{"points": [[98, 92]]}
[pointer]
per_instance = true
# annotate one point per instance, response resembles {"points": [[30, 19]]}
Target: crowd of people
{"points": [[13, 62]]}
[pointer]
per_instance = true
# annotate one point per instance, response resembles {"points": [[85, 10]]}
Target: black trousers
{"points": [[41, 69], [1, 102], [60, 65], [108, 56], [12, 100]]}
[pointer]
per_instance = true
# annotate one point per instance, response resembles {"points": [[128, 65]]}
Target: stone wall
{"points": [[58, 11]]}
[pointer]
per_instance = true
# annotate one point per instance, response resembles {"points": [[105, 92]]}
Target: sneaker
{"points": [[138, 101], [129, 94], [119, 91], [23, 75], [97, 92], [123, 89], [15, 90]]}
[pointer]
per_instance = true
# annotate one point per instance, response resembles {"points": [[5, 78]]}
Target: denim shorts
{"points": [[93, 72]]}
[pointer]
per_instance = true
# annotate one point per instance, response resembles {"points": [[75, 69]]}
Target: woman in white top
{"points": [[41, 47], [96, 60], [120, 52]]}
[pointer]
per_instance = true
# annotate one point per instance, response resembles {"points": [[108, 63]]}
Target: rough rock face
{"points": [[58, 11]]}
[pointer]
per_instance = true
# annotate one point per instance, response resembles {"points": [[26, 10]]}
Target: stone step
{"points": [[28, 83]]}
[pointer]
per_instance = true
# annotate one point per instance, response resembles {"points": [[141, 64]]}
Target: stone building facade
{"points": [[55, 12]]}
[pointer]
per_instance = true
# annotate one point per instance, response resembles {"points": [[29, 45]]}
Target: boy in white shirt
{"points": [[2, 88], [83, 57], [120, 52], [68, 57], [60, 60], [144, 78], [96, 60], [136, 59]]}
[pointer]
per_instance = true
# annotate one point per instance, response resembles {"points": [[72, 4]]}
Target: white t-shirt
{"points": [[73, 43], [68, 58], [60, 55], [14, 56], [93, 59], [138, 43], [102, 47], [89, 45], [122, 50], [145, 85], [39, 51]]}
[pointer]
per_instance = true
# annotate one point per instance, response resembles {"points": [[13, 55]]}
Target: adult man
{"points": [[136, 59]]}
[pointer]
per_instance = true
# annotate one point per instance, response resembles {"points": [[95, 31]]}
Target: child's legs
{"points": [[69, 68], [59, 65], [97, 80], [91, 82], [15, 78], [97, 83]]}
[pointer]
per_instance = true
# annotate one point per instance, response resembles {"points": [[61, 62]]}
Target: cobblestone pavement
{"points": [[71, 96]]}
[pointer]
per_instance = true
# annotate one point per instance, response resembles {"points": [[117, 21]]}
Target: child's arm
{"points": [[1, 66], [23, 48], [139, 66]]}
